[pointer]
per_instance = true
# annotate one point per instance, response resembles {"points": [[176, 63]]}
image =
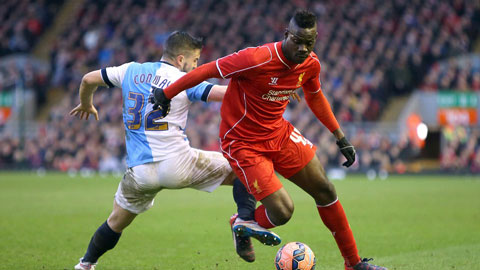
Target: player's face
{"points": [[190, 61], [298, 43]]}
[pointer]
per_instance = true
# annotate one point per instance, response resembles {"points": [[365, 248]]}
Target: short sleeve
{"points": [[199, 92], [234, 64], [113, 76]]}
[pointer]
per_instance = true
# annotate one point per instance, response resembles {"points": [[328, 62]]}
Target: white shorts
{"points": [[202, 170]]}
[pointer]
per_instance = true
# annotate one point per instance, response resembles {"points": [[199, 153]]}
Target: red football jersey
{"points": [[262, 80]]}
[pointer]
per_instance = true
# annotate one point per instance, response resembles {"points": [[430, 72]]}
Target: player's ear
{"points": [[286, 33], [180, 59]]}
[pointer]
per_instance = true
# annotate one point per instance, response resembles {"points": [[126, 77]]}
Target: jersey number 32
{"points": [[150, 119]]}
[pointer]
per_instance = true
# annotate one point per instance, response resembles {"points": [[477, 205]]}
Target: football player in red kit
{"points": [[257, 140]]}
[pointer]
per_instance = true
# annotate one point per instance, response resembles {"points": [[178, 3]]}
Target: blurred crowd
{"points": [[21, 72], [369, 51], [65, 143], [22, 22], [460, 74]]}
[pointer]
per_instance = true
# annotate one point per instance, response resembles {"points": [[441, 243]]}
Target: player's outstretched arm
{"points": [[90, 82], [162, 97], [319, 105], [217, 93], [194, 77]]}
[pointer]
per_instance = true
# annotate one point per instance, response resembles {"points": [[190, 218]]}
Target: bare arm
{"points": [[90, 82], [217, 93]]}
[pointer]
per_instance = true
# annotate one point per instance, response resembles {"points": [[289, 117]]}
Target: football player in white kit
{"points": [[158, 152]]}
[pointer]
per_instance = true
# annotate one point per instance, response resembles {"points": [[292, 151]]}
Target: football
{"points": [[295, 256]]}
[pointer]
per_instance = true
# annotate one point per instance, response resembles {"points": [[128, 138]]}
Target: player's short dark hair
{"points": [[180, 42], [304, 18]]}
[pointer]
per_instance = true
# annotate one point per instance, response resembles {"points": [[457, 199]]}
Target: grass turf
{"points": [[414, 222]]}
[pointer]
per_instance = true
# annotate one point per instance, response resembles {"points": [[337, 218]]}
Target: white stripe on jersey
{"points": [[245, 104], [219, 70], [240, 70], [278, 55]]}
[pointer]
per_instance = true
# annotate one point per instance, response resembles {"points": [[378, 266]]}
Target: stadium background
{"points": [[387, 66], [380, 60]]}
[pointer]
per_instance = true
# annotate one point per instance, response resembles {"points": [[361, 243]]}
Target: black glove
{"points": [[158, 99], [347, 150]]}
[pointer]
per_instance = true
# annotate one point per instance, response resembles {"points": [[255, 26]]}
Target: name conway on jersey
{"points": [[149, 137]]}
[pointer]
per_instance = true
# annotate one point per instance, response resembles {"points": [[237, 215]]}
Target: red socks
{"points": [[262, 219], [336, 221]]}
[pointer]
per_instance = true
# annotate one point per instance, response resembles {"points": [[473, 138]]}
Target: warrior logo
{"points": [[274, 81]]}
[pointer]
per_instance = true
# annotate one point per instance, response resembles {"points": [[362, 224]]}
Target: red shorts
{"points": [[255, 163]]}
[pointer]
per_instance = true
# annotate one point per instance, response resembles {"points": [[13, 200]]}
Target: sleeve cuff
{"points": [[206, 93], [105, 78]]}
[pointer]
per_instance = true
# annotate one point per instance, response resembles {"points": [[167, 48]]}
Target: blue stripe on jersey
{"points": [[137, 81], [105, 78], [199, 92]]}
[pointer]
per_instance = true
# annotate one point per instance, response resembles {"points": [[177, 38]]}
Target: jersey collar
{"points": [[278, 50], [165, 62]]}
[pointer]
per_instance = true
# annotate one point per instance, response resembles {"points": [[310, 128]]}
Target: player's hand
{"points": [[84, 111], [347, 150], [295, 96], [158, 99]]}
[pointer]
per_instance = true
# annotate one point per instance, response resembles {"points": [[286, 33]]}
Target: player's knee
{"points": [[325, 193], [327, 188], [283, 215]]}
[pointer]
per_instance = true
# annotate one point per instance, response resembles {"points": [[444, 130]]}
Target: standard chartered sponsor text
{"points": [[280, 95]]}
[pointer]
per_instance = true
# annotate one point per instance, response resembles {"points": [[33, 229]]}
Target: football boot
{"points": [[364, 265], [250, 228], [243, 244], [85, 265]]}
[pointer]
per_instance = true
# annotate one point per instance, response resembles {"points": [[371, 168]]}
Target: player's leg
{"points": [[246, 204], [256, 173], [134, 195], [106, 236], [276, 209], [312, 179], [245, 201], [120, 218], [298, 163], [209, 170]]}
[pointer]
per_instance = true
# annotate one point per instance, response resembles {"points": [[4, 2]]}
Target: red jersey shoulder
{"points": [[315, 62], [256, 55], [248, 58]]}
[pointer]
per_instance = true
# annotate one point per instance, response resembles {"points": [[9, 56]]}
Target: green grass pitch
{"points": [[405, 223]]}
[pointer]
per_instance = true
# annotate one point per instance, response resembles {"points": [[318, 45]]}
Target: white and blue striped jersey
{"points": [[149, 137]]}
